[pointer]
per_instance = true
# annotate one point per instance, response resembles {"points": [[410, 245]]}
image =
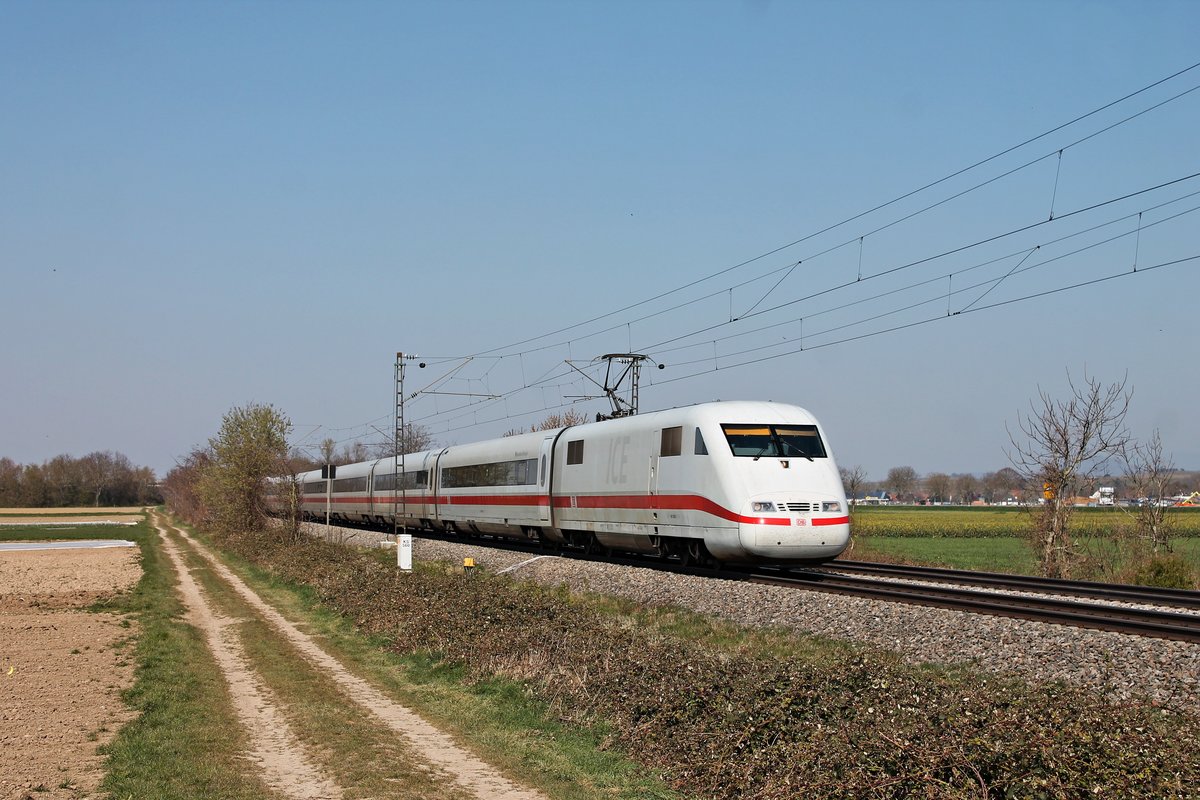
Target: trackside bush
{"points": [[737, 723], [1168, 572]]}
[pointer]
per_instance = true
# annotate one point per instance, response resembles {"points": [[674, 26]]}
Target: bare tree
{"points": [[10, 483], [853, 479], [352, 453], [966, 486], [901, 481], [1064, 442], [569, 417], [327, 448], [938, 485], [181, 487], [414, 439], [1149, 474]]}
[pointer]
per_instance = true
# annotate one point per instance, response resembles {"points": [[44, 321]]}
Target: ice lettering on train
{"points": [[618, 461]]}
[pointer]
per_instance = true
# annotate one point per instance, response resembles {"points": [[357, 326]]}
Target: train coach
{"points": [[731, 481]]}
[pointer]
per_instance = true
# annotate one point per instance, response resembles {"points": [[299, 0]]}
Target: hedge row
{"points": [[743, 724]]}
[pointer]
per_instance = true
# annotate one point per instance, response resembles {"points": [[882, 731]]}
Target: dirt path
{"points": [[429, 743], [274, 747]]}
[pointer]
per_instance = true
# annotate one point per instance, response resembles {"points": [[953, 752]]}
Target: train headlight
{"points": [[763, 505], [832, 506]]}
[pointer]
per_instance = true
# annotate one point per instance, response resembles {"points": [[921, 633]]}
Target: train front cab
{"points": [[794, 507]]}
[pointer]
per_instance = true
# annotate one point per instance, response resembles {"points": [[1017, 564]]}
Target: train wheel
{"points": [[695, 554]]}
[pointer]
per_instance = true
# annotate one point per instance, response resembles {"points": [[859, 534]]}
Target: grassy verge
{"points": [[185, 743], [352, 747], [725, 714], [496, 718]]}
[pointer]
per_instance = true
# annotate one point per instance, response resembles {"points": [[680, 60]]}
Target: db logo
{"points": [[801, 521]]}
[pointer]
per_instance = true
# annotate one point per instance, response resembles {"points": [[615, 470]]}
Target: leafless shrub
{"points": [[1149, 474], [1064, 443]]}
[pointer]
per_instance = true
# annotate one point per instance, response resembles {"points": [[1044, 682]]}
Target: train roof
{"points": [[715, 412], [711, 413]]}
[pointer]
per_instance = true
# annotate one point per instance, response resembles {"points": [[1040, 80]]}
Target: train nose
{"points": [[776, 530]]}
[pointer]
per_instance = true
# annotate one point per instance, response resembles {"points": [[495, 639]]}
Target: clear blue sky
{"points": [[207, 204]]}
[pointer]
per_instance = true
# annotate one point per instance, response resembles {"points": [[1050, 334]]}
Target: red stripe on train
{"points": [[661, 502]]}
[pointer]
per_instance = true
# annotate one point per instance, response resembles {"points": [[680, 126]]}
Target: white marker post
{"points": [[404, 552]]}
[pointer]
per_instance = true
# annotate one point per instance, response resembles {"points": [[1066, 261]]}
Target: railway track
{"points": [[1021, 599], [995, 594], [1119, 592]]}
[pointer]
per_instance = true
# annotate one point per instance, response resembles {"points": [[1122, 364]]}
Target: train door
{"points": [[545, 464], [652, 489], [435, 484]]}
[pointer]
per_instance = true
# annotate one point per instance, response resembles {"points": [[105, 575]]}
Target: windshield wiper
{"points": [[764, 449]]}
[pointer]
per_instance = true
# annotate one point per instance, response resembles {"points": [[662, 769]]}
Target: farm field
{"points": [[963, 521], [995, 539], [85, 517], [64, 663]]}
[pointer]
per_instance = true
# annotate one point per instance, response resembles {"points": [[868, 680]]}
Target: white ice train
{"points": [[731, 481]]}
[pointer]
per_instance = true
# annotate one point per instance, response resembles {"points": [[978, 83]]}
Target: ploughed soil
{"points": [[62, 669]]}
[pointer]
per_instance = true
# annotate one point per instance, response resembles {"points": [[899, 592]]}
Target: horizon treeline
{"points": [[102, 478]]}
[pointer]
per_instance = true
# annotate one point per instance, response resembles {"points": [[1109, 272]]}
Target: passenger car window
{"points": [[575, 452]]}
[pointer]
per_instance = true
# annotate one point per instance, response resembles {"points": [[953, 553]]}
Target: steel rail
{"points": [[1126, 593], [1120, 619]]}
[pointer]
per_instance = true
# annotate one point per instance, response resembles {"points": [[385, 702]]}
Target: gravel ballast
{"points": [[1128, 668]]}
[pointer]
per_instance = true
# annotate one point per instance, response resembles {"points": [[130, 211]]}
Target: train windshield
{"points": [[777, 441]]}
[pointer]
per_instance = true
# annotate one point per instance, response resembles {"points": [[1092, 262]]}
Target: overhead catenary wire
{"points": [[938, 318], [788, 269], [891, 202], [958, 271], [992, 282], [920, 261], [474, 407], [552, 373], [894, 329]]}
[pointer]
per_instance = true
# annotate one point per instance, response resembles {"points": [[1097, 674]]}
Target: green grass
{"points": [[186, 742], [40, 533], [990, 521], [355, 749], [50, 513], [1101, 559], [998, 540], [992, 554], [498, 719]]}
